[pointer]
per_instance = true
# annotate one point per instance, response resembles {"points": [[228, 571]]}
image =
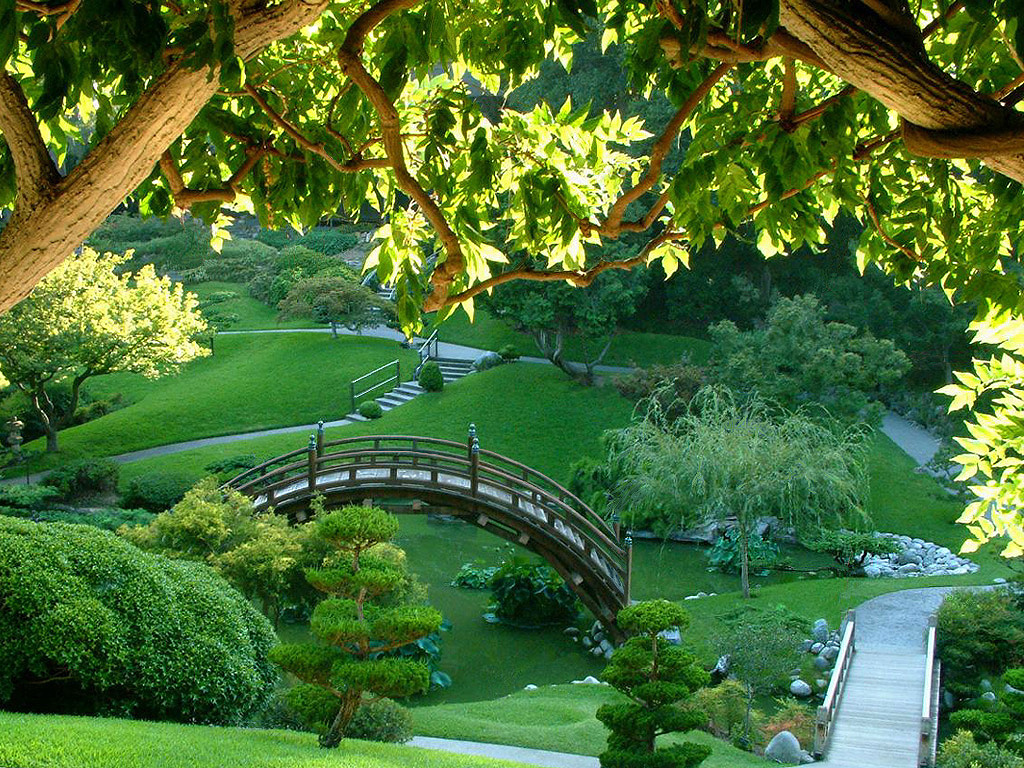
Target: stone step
{"points": [[392, 401], [410, 387]]}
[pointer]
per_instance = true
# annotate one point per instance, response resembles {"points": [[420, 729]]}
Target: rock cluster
{"points": [[917, 558], [824, 644], [593, 640]]}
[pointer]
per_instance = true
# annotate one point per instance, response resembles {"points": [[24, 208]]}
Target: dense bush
{"points": [[725, 554], [276, 238], [27, 497], [508, 353], [592, 481], [792, 716], [225, 469], [851, 549], [83, 476], [676, 382], [370, 409], [90, 410], [328, 241], [962, 751], [430, 377], [89, 624], [474, 576], [725, 706], [156, 491], [381, 720], [106, 518], [980, 634], [528, 594]]}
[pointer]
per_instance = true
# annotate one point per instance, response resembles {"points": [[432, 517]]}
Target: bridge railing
{"points": [[330, 464], [930, 699], [375, 380], [827, 711]]}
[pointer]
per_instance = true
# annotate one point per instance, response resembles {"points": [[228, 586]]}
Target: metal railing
{"points": [[427, 350], [390, 382], [827, 711], [930, 699]]}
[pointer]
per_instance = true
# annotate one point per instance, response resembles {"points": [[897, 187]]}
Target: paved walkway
{"points": [[916, 442], [878, 723], [515, 754]]}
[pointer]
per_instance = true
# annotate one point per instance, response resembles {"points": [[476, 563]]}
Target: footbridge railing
{"points": [[930, 699], [486, 488], [827, 711]]}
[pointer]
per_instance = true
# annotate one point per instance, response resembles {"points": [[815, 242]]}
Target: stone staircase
{"points": [[452, 369]]}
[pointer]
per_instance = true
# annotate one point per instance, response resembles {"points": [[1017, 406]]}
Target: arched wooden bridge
{"points": [[487, 489]]}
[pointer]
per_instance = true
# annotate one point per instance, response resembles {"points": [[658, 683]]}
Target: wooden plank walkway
{"points": [[878, 722]]}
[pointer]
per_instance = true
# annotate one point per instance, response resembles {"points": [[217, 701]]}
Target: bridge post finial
{"points": [[313, 457], [470, 440], [474, 464], [320, 438], [629, 562]]}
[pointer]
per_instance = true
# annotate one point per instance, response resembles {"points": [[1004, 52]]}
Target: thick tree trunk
{"points": [[54, 217], [47, 415], [887, 62], [336, 732]]}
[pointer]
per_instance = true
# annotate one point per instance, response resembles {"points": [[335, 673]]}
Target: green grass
{"points": [[253, 382], [629, 348], [558, 718], [252, 314], [46, 741], [531, 413]]}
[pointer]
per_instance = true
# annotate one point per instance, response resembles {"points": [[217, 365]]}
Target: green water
{"points": [[487, 661]]}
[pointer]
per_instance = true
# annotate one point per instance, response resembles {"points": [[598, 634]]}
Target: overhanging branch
{"points": [[35, 171]]}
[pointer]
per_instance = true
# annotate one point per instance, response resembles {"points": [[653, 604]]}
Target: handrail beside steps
{"points": [[428, 349], [930, 699], [391, 382], [827, 710]]}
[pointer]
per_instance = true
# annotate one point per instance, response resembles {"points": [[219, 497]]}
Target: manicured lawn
{"points": [[531, 413], [558, 717], [252, 314], [629, 348], [253, 382], [41, 741]]}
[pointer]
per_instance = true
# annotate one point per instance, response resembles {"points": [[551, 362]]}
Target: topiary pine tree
{"points": [[356, 624], [657, 677]]}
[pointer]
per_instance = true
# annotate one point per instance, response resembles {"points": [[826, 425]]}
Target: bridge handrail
{"points": [[827, 710], [281, 477], [929, 700], [260, 469]]}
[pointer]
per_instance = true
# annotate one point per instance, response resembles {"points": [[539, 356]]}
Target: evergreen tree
{"points": [[657, 677], [359, 622]]}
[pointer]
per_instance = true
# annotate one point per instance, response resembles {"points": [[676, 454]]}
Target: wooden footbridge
{"points": [[484, 488]]}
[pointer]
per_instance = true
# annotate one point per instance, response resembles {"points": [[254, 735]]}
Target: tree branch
{"points": [[940, 21], [612, 223], [788, 104], [580, 278], [452, 267], [909, 252], [185, 198], [63, 11], [34, 169]]}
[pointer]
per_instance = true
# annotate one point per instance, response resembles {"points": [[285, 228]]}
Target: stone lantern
{"points": [[14, 439]]}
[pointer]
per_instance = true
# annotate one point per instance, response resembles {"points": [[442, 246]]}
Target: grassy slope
{"points": [[628, 348], [40, 741], [557, 717], [253, 382], [503, 402], [252, 314]]}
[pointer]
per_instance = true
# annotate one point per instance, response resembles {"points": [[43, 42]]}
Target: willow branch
{"points": [[660, 149], [33, 167]]}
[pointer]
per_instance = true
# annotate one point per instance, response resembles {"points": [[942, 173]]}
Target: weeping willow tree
{"points": [[735, 460]]}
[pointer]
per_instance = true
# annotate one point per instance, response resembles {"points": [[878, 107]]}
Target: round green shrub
{"points": [[961, 751], [156, 491], [370, 409], [90, 624], [430, 377], [83, 476], [508, 353], [381, 720]]}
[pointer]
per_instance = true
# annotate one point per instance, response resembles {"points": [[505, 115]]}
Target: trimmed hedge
{"points": [[90, 624], [83, 476], [156, 491], [430, 377], [370, 409]]}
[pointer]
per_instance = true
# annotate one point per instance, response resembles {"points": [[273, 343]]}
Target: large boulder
{"points": [[820, 631], [801, 690], [784, 748]]}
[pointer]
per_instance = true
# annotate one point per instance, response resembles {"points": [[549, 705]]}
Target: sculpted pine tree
{"points": [[357, 623], [903, 115], [657, 677]]}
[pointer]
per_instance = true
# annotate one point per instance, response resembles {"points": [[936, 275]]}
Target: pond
{"points": [[487, 661]]}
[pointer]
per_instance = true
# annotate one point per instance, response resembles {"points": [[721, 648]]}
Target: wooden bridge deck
{"points": [[486, 489]]}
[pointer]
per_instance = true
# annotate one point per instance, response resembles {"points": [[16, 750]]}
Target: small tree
{"points": [[85, 320], [336, 301], [851, 549], [762, 648], [554, 313], [360, 620], [739, 461], [656, 677]]}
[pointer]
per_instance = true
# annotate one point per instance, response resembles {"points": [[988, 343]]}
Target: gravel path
{"points": [[915, 441], [515, 754], [898, 619]]}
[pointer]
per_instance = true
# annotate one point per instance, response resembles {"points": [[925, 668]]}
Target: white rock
{"points": [[784, 748], [532, 687], [798, 688]]}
